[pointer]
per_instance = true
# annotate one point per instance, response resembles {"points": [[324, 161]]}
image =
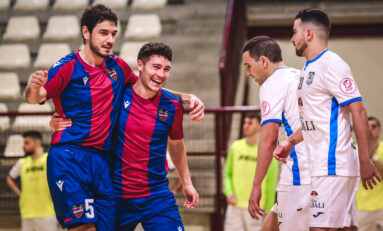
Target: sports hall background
{"points": [[206, 37]]}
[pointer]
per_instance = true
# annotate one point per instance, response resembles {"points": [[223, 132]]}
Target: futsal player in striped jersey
{"points": [[149, 115], [86, 86]]}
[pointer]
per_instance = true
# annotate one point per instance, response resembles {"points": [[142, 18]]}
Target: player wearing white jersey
{"points": [[327, 97], [263, 61]]}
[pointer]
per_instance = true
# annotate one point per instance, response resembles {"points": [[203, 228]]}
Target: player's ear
{"points": [[309, 34], [140, 65], [85, 32], [265, 61]]}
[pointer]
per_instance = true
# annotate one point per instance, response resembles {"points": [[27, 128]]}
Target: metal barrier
{"points": [[206, 146]]}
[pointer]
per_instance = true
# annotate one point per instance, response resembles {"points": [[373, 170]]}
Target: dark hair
{"points": [[253, 115], [316, 16], [33, 134], [95, 15], [263, 46], [374, 119], [154, 48]]}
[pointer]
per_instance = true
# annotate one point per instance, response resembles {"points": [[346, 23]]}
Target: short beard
{"points": [[29, 153], [300, 51], [95, 49]]}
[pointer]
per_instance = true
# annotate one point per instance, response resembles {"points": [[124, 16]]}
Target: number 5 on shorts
{"points": [[89, 211]]}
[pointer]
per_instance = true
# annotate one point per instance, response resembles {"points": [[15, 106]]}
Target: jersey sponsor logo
{"points": [[85, 79], [78, 210], [126, 103], [310, 78], [301, 82], [60, 185], [265, 108], [308, 125], [347, 85], [246, 157], [35, 169], [179, 228], [314, 196], [113, 74], [318, 214], [163, 114], [56, 64], [314, 201]]}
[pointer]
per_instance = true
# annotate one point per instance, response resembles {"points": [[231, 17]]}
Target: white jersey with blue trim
{"points": [[278, 96], [326, 85]]}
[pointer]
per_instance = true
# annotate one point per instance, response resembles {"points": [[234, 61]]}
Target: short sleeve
{"points": [[341, 84], [177, 131], [272, 101], [58, 78], [15, 170]]}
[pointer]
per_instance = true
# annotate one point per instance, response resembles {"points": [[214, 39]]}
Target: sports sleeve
{"points": [[228, 184], [341, 84], [177, 131], [15, 170], [58, 78], [272, 101], [129, 75]]}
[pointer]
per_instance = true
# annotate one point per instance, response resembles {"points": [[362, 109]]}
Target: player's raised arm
{"points": [[267, 143], [195, 104], [359, 119], [35, 93], [178, 155]]}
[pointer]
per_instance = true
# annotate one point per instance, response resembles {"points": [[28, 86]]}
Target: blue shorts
{"points": [[80, 185], [158, 212]]}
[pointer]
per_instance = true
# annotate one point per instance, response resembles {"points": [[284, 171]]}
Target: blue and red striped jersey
{"points": [[88, 95], [139, 143]]}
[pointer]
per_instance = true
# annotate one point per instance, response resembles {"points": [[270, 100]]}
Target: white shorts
{"points": [[293, 207], [40, 224], [370, 220], [238, 219], [333, 201]]}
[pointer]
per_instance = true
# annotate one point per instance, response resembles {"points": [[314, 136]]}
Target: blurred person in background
{"points": [[239, 171], [36, 207], [370, 202]]}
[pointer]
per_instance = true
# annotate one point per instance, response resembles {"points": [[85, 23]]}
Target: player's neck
{"points": [[143, 91], [253, 139], [90, 57], [314, 50], [37, 153]]}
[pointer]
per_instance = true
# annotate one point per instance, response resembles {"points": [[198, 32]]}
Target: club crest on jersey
{"points": [[78, 210], [265, 108], [163, 114], [113, 74], [310, 78], [347, 85], [85, 79]]}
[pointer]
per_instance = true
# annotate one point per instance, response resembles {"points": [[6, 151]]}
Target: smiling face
{"points": [[102, 38], [154, 72], [299, 39], [254, 69]]}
